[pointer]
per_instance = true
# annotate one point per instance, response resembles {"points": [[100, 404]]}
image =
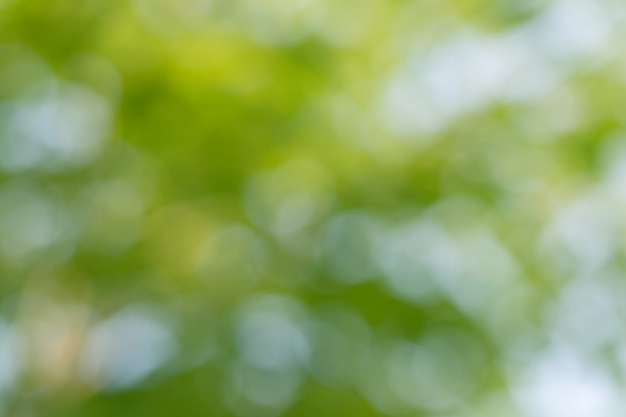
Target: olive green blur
{"points": [[312, 208]]}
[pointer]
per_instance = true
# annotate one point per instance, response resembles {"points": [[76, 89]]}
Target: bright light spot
{"points": [[125, 349], [560, 384], [422, 259], [586, 316], [429, 92], [273, 352], [582, 233], [572, 29], [436, 373], [403, 254], [60, 126], [269, 336]]}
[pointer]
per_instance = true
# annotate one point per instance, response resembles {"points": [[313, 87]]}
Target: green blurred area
{"points": [[312, 208]]}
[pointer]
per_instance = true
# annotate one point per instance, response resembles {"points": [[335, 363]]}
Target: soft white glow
{"points": [[269, 337], [125, 349], [582, 233], [560, 384], [59, 127]]}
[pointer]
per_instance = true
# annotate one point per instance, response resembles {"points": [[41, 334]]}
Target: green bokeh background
{"points": [[312, 208]]}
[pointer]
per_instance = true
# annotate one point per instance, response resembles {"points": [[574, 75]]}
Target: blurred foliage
{"points": [[312, 208]]}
